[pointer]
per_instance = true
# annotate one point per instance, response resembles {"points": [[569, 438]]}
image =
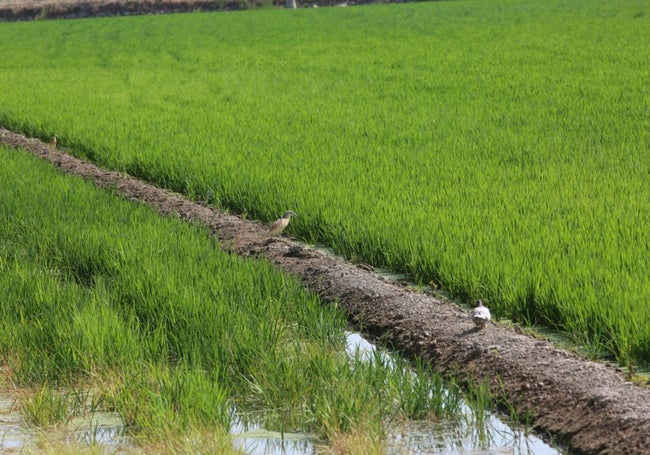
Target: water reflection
{"points": [[493, 437], [452, 438], [103, 429], [13, 435], [100, 428], [255, 440], [443, 439], [413, 437]]}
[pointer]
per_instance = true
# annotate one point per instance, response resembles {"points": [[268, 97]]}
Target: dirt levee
{"points": [[590, 407], [76, 9]]}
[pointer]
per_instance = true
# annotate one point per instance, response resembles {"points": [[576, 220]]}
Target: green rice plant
{"points": [[47, 407], [424, 394], [369, 393], [481, 400], [160, 402], [496, 147], [109, 307]]}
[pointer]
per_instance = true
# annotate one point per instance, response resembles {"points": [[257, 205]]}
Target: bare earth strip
{"points": [[588, 406], [26, 10], [11, 10]]}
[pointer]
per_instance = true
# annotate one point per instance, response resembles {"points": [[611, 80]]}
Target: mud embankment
{"points": [[78, 9], [65, 9], [588, 406]]}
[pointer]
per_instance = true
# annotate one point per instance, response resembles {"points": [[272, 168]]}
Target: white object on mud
{"points": [[480, 314]]}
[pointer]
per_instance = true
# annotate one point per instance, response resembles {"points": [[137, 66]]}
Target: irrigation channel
{"points": [[586, 406], [106, 430]]}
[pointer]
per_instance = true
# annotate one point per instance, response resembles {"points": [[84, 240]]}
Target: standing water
{"points": [[103, 429], [493, 436], [413, 437], [426, 437]]}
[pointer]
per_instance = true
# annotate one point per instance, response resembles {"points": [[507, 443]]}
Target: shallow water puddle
{"points": [[106, 430], [103, 429], [414, 437], [12, 434], [443, 439], [262, 442], [440, 438]]}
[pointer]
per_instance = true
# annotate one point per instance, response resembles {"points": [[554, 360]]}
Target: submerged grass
{"points": [[497, 147], [108, 307]]}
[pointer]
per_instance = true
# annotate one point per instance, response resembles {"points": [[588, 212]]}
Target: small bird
{"points": [[480, 314], [53, 141], [278, 225]]}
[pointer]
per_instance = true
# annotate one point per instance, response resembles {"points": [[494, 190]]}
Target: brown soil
{"points": [[587, 406], [12, 10], [25, 10]]}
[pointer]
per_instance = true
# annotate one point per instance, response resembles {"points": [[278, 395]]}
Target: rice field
{"points": [[495, 147], [107, 307]]}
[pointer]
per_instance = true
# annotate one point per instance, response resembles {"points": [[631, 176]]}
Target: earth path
{"points": [[587, 406]]}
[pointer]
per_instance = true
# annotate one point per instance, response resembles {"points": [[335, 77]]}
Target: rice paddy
{"points": [[497, 148], [109, 309]]}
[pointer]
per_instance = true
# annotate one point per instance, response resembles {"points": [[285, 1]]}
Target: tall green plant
{"points": [[497, 147], [106, 302]]}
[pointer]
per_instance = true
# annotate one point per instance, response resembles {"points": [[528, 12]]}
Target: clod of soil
{"points": [[588, 406]]}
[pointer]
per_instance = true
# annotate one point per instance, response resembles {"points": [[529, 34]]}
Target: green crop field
{"points": [[497, 147], [106, 305]]}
